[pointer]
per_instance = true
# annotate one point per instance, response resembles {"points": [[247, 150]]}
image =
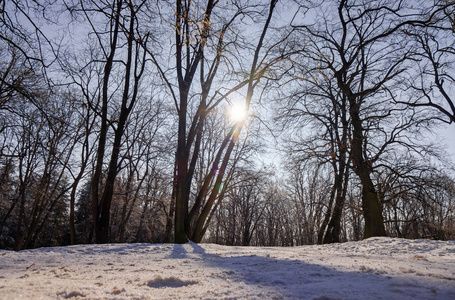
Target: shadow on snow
{"points": [[297, 279]]}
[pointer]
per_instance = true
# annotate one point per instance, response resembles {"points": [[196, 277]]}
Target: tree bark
{"points": [[372, 213]]}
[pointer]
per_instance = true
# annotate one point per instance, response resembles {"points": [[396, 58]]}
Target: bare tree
{"points": [[313, 101], [417, 198], [113, 101], [203, 42], [242, 209], [351, 46], [429, 77]]}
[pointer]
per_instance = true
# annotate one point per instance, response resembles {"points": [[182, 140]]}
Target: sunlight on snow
{"points": [[376, 268]]}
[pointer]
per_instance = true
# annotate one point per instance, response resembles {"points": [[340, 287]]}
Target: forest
{"points": [[235, 122]]}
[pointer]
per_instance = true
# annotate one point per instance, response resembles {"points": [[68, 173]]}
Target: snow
{"points": [[376, 268]]}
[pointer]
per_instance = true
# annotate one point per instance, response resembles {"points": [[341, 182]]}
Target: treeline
{"points": [[116, 121]]}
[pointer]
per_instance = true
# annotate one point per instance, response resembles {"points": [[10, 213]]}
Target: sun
{"points": [[237, 112]]}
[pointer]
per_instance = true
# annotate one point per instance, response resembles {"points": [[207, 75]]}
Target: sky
{"points": [[449, 138], [376, 268]]}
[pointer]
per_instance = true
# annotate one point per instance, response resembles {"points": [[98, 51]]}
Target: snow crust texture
{"points": [[377, 268]]}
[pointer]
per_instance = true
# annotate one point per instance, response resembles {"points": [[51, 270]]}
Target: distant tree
{"points": [[46, 148], [312, 190], [418, 200], [155, 202], [83, 215], [242, 209], [7, 201]]}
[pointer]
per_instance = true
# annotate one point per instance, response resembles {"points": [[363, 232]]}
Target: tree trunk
{"points": [[341, 182], [325, 222], [334, 227], [103, 217], [372, 213], [180, 185]]}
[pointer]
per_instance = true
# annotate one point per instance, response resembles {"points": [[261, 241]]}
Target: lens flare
{"points": [[237, 112]]}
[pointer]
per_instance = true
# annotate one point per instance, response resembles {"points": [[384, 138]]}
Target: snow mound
{"points": [[172, 282]]}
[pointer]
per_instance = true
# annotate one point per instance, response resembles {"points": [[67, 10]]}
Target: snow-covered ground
{"points": [[377, 268]]}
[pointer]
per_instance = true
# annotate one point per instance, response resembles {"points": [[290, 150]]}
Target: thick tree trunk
{"points": [[372, 213], [180, 185]]}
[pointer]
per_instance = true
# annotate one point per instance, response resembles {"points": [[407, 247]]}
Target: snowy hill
{"points": [[377, 268]]}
